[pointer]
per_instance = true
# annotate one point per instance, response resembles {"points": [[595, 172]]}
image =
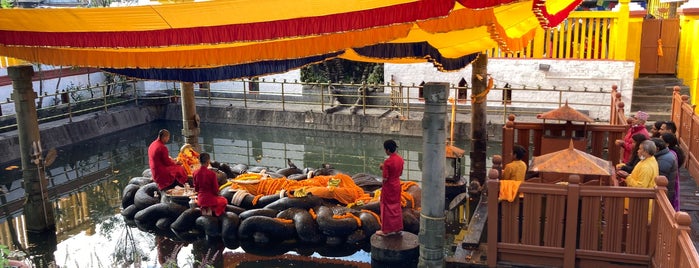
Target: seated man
{"points": [[206, 186], [516, 169], [166, 172]]}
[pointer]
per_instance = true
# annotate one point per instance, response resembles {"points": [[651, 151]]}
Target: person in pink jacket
{"points": [[638, 125]]}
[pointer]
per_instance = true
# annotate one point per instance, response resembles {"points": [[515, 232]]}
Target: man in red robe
{"points": [[206, 186], [391, 211], [166, 172]]}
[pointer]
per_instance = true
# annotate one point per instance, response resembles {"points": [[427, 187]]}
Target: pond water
{"points": [[86, 180]]}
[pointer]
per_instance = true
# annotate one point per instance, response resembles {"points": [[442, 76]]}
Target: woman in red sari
{"points": [[206, 186], [391, 211]]}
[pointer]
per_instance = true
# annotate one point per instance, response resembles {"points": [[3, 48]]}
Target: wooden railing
{"points": [[687, 123], [596, 137], [577, 225], [583, 35]]}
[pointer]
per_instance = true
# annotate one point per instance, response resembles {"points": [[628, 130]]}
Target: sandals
{"points": [[381, 233]]}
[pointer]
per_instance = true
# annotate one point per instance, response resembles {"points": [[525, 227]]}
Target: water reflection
{"points": [[86, 180]]}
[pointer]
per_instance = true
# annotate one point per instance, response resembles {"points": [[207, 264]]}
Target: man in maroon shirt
{"points": [[166, 172], [206, 186], [391, 211]]}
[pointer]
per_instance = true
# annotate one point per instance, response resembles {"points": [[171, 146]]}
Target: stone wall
{"points": [[60, 133], [572, 76]]}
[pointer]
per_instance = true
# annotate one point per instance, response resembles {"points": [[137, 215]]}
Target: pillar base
{"points": [[395, 250]]}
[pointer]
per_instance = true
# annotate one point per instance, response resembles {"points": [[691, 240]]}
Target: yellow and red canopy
{"points": [[253, 37]]}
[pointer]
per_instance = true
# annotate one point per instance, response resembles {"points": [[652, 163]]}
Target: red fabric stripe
{"points": [[548, 20], [269, 30]]}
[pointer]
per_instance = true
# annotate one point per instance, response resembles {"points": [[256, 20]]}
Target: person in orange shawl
{"points": [[391, 211], [206, 186], [189, 158], [166, 172]]}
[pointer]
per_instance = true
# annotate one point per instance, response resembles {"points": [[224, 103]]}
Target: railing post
{"points": [[245, 94], [283, 82], [571, 221], [104, 96], [508, 139], [622, 32], [135, 91], [363, 89], [683, 221], [493, 187]]}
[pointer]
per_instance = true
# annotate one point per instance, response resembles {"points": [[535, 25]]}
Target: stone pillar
{"points": [[190, 118], [432, 226], [479, 131], [38, 211]]}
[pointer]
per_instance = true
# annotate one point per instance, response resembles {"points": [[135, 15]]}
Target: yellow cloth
{"points": [[508, 190], [643, 174], [515, 170]]}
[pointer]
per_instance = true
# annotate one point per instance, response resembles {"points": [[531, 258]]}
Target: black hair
{"points": [[204, 158], [659, 143], [519, 151], [674, 145], [669, 125], [162, 132], [390, 145]]}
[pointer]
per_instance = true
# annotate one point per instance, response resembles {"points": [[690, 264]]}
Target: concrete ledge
{"points": [[62, 132]]}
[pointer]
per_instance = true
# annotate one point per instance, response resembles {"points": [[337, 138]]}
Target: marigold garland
{"points": [[349, 215], [378, 219], [257, 197], [313, 213], [284, 220]]}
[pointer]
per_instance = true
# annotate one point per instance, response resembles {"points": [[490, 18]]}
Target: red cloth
{"points": [[391, 211], [628, 140], [206, 186], [165, 171]]}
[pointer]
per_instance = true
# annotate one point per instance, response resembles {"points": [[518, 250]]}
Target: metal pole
{"points": [[432, 226]]}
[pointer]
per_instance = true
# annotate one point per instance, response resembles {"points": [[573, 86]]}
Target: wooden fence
{"points": [[578, 225], [687, 127]]}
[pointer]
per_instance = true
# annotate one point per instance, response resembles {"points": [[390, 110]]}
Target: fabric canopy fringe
{"points": [[199, 75]]}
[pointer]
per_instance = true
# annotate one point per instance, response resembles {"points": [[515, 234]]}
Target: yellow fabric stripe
{"points": [[555, 6], [205, 55], [180, 15]]}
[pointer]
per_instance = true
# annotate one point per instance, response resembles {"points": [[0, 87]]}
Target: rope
{"points": [[481, 97]]}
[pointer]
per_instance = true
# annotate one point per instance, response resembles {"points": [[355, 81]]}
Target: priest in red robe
{"points": [[166, 172], [391, 211], [206, 186]]}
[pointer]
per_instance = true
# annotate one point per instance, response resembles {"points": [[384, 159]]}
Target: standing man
{"points": [[391, 211], [206, 186], [166, 172]]}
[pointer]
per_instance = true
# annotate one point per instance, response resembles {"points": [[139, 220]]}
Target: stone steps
{"points": [[653, 94]]}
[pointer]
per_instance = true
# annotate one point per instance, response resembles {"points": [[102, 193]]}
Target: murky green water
{"points": [[85, 184]]}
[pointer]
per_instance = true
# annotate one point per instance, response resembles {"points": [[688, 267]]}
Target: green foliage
{"points": [[5, 4], [343, 71], [4, 253]]}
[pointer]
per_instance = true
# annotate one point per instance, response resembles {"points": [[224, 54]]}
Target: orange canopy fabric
{"points": [[219, 33]]}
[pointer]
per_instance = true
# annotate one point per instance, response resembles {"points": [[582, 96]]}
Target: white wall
{"points": [[49, 87], [576, 74]]}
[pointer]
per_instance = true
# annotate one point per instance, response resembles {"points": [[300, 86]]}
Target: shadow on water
{"points": [[86, 182]]}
